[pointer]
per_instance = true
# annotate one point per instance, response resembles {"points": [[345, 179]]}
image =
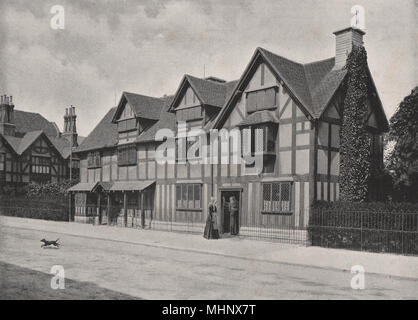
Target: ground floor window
{"points": [[189, 196], [276, 197]]}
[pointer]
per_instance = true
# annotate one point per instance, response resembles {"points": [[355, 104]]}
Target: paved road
{"points": [[133, 270]]}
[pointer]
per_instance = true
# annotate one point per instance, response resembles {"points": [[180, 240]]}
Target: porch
{"points": [[120, 203]]}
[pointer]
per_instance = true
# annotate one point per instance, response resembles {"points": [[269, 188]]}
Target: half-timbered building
{"points": [[297, 106], [32, 149]]}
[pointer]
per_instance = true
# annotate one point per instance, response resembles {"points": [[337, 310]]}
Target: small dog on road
{"points": [[50, 243]]}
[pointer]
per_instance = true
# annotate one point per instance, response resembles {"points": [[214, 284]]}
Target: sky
{"points": [[107, 47]]}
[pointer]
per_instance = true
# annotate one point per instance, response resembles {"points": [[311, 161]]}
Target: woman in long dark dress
{"points": [[211, 230]]}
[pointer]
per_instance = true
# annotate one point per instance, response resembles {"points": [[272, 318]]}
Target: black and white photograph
{"points": [[199, 152]]}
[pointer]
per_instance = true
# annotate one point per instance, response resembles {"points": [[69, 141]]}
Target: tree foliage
{"points": [[403, 158], [355, 141]]}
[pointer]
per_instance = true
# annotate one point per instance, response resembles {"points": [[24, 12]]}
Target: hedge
{"points": [[35, 208], [373, 226]]}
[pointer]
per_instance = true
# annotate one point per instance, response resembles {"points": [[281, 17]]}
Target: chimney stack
{"points": [[70, 129], [7, 119], [345, 39]]}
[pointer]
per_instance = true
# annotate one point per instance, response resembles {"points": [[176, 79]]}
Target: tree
{"points": [[355, 141], [403, 158]]}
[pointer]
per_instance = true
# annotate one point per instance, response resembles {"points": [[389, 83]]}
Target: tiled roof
{"points": [[21, 144], [27, 140], [167, 120], [14, 142], [30, 121], [83, 186], [209, 92], [62, 145], [144, 106], [104, 135], [131, 185], [312, 83], [258, 117]]}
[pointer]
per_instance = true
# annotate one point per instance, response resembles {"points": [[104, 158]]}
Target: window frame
{"points": [[281, 211], [2, 162], [184, 201], [94, 160], [260, 93], [40, 165], [124, 156]]}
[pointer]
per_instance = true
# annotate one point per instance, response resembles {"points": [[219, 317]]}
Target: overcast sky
{"points": [[146, 46]]}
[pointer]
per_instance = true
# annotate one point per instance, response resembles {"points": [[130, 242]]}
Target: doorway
{"points": [[230, 201]]}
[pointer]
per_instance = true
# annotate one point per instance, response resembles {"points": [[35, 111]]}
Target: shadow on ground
{"points": [[18, 283]]}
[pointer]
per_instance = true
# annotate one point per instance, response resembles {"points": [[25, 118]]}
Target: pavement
{"points": [[251, 250]]}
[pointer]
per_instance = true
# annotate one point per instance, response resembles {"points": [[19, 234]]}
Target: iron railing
{"points": [[365, 230]]}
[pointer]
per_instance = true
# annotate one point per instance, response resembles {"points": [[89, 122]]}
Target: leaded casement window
{"points": [[189, 196], [2, 161], [41, 165], [94, 160], [276, 197], [261, 99], [127, 155]]}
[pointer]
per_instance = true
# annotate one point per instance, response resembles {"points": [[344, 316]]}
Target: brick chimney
{"points": [[7, 119], [70, 128], [345, 39]]}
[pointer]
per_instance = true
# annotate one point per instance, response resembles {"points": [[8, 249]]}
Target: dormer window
{"points": [[261, 99], [127, 125]]}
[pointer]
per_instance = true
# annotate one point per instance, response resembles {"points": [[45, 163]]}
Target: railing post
{"points": [[322, 226], [361, 231], [402, 232]]}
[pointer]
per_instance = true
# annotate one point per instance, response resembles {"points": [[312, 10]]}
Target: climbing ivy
{"points": [[403, 159], [355, 142]]}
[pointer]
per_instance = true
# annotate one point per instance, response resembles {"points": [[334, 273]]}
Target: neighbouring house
{"points": [[297, 106], [32, 149]]}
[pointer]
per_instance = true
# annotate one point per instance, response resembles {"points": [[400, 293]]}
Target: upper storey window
{"points": [[2, 161], [261, 91], [127, 125], [261, 99], [94, 160]]}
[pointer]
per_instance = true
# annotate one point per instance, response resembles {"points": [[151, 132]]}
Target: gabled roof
{"points": [[104, 135], [30, 121], [208, 91], [21, 144], [142, 106], [313, 85], [259, 117], [27, 140], [62, 145], [167, 121]]}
